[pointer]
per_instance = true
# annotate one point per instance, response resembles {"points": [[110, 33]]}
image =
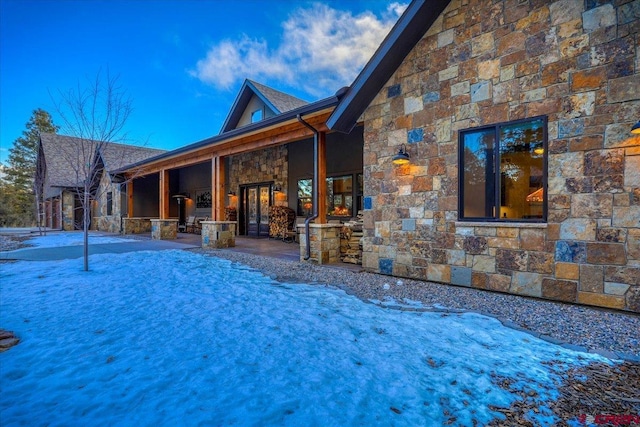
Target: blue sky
{"points": [[181, 62]]}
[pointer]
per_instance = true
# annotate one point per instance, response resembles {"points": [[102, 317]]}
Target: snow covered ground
{"points": [[177, 338], [74, 238]]}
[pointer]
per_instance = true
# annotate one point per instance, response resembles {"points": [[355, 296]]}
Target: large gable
{"points": [[412, 25], [257, 102]]}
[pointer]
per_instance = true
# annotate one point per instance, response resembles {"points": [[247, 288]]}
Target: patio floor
{"points": [[275, 248]]}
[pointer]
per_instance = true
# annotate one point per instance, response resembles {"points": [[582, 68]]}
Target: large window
{"points": [[503, 171], [341, 194]]}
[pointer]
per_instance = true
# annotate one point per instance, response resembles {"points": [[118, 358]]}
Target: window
{"points": [[340, 196], [518, 151], [109, 203], [256, 116]]}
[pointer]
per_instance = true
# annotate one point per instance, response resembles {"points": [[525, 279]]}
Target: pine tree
{"points": [[17, 184]]}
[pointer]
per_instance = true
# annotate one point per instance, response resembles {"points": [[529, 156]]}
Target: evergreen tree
{"points": [[17, 184]]}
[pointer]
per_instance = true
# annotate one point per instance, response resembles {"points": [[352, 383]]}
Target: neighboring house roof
{"points": [[410, 28], [276, 101], [63, 156]]}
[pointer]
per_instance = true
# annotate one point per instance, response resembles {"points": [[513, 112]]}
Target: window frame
{"points": [[109, 203], [496, 167]]}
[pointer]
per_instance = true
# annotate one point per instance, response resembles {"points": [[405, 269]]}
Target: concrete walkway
{"points": [[76, 251]]}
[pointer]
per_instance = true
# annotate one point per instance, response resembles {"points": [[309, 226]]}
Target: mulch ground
{"points": [[597, 394]]}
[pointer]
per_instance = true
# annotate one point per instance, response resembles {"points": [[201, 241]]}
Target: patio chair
{"points": [[190, 224]]}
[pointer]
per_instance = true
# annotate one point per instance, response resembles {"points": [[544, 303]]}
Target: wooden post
{"points": [[217, 188], [130, 199], [164, 194], [322, 179]]}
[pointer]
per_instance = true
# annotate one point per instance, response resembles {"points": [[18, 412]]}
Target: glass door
{"points": [[257, 200]]}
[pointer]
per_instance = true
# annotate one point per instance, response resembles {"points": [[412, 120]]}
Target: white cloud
{"points": [[320, 50]]}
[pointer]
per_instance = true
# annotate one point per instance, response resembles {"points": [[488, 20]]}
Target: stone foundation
{"points": [[218, 234], [164, 229], [325, 243]]}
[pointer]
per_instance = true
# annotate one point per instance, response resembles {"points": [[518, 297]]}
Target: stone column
{"points": [[218, 234], [164, 229], [325, 243]]}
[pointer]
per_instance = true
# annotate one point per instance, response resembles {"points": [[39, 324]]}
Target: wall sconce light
{"points": [[636, 129], [402, 158], [231, 194], [277, 189], [539, 149]]}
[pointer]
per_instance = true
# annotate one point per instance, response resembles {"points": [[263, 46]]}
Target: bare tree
{"points": [[96, 115]]}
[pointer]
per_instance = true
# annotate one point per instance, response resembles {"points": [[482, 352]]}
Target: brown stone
{"points": [[591, 278], [475, 245], [624, 89], [541, 262], [579, 185], [510, 43], [574, 46], [559, 290], [532, 239], [633, 299], [557, 72], [628, 275], [595, 205], [437, 166], [586, 143], [613, 235], [604, 162], [546, 106], [479, 280], [567, 270], [606, 253], [507, 259], [601, 300], [591, 79], [498, 282], [510, 232], [422, 183], [513, 58]]}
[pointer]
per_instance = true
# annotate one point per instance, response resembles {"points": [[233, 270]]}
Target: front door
{"points": [[257, 199]]}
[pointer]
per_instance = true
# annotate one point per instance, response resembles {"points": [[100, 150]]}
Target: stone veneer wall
{"points": [[68, 208], [261, 166], [575, 61], [102, 221]]}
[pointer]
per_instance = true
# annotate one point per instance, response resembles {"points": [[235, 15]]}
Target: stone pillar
{"points": [[325, 243], [218, 234], [136, 225], [164, 229]]}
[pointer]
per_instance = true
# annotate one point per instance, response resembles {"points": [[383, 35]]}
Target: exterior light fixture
{"points": [[402, 158], [231, 193], [277, 189], [636, 129], [539, 149]]}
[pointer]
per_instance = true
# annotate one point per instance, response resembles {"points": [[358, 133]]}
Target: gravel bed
{"points": [[611, 333]]}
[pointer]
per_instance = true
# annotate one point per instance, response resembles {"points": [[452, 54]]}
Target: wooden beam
{"points": [[284, 134], [164, 194], [322, 179]]}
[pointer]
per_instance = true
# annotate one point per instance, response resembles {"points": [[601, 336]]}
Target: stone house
{"points": [[515, 116], [59, 157]]}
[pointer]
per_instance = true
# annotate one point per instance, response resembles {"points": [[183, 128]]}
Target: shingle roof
{"points": [[278, 102], [63, 155], [281, 101]]}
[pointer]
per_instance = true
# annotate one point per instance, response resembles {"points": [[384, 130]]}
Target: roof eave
{"points": [[266, 123], [410, 28]]}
